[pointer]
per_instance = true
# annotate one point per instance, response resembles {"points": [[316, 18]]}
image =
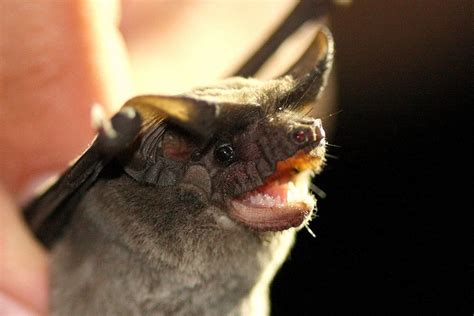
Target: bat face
{"points": [[243, 148], [257, 174]]}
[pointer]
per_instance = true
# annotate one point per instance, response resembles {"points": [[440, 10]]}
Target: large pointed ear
{"points": [[310, 72], [303, 12], [197, 116]]}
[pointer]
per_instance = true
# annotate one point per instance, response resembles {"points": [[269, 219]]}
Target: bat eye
{"points": [[299, 136], [224, 153]]}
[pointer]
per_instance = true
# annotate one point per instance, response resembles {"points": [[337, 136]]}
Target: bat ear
{"points": [[195, 116], [310, 72], [199, 117]]}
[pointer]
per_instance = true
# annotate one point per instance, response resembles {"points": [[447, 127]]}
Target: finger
{"points": [[58, 58], [23, 263]]}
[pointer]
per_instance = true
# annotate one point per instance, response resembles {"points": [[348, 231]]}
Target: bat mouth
{"points": [[284, 200]]}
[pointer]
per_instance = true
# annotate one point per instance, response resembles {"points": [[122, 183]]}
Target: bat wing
{"points": [[49, 213]]}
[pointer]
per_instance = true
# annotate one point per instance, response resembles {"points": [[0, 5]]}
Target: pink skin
{"points": [[273, 189], [50, 76], [270, 218], [274, 218]]}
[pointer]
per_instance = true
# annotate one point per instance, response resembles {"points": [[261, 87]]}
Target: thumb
{"points": [[57, 58], [62, 57], [23, 263]]}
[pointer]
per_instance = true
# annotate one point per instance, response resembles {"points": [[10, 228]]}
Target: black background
{"points": [[389, 234]]}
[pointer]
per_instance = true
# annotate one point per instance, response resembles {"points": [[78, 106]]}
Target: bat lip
{"points": [[270, 218], [284, 201]]}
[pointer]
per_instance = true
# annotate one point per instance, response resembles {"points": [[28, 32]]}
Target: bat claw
{"points": [[100, 122], [129, 112]]}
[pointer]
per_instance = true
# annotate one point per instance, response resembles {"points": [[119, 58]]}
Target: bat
{"points": [[188, 204]]}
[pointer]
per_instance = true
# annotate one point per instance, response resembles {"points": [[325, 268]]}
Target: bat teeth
{"points": [[264, 200], [100, 122]]}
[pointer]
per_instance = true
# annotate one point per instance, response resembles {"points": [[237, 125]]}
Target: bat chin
{"points": [[277, 205]]}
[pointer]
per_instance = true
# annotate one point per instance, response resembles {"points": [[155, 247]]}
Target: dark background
{"points": [[389, 234]]}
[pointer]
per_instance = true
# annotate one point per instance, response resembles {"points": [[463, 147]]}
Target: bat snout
{"points": [[308, 133]]}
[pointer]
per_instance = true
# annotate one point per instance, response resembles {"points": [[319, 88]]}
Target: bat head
{"points": [[192, 186], [200, 187], [244, 146]]}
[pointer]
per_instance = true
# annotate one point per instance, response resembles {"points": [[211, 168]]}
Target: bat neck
{"points": [[108, 277]]}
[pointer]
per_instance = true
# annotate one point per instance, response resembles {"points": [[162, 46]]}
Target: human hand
{"points": [[57, 59]]}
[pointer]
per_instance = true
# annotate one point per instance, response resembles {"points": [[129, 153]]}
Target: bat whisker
{"points": [[332, 114], [331, 156], [306, 91], [318, 191], [308, 111], [309, 230]]}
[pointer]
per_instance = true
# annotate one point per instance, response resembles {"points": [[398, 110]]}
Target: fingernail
{"points": [[10, 307]]}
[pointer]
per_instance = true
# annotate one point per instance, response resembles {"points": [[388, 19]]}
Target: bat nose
{"points": [[309, 132]]}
